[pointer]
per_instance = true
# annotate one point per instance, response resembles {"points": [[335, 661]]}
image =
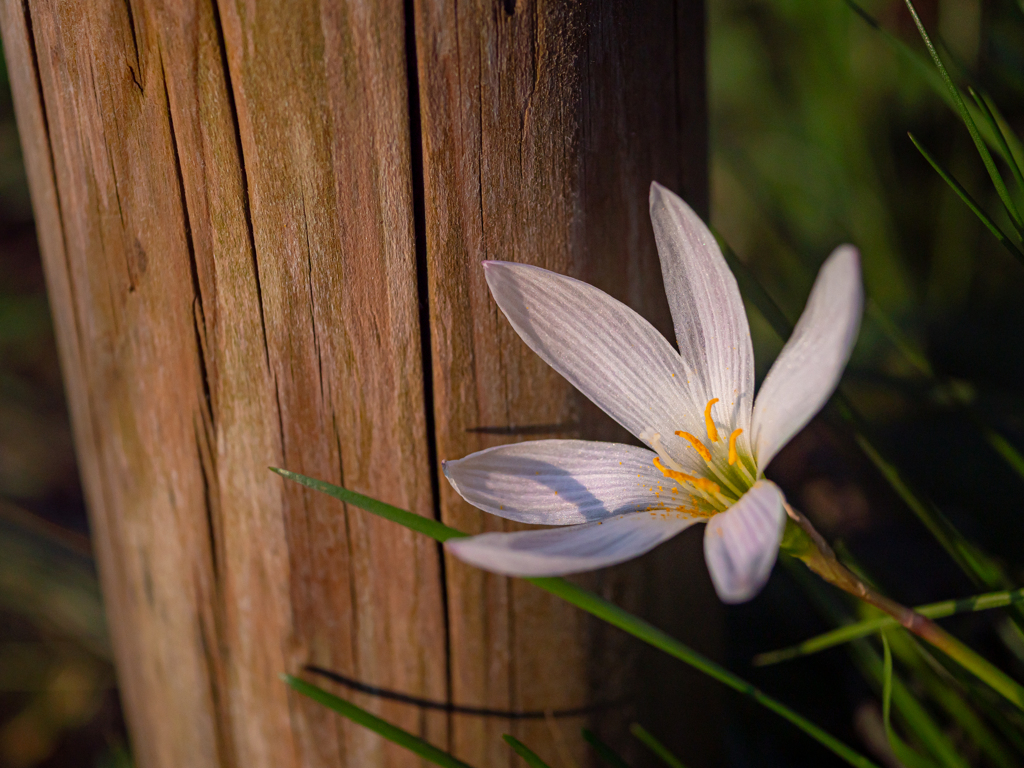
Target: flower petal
{"points": [[604, 349], [809, 367], [558, 551], [707, 310], [561, 482], [741, 544]]}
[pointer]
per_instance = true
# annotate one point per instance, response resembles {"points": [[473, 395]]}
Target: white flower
{"points": [[710, 440]]}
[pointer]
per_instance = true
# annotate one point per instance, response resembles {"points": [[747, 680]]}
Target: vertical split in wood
{"points": [[229, 196]]}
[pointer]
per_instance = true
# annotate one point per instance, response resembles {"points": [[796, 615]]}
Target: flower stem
{"points": [[804, 542]]}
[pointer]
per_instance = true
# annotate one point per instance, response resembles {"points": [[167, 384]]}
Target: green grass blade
{"points": [[524, 752], [969, 201], [606, 753], [604, 610], [432, 528], [1005, 449], [972, 128], [1010, 138], [649, 741], [904, 753], [383, 728], [870, 626], [988, 115]]}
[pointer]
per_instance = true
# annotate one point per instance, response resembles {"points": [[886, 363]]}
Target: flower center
{"points": [[727, 476]]}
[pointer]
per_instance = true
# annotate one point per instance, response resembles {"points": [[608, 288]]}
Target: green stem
{"points": [[805, 543]]}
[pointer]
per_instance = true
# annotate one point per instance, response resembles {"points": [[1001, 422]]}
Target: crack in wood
{"points": [[246, 206], [423, 294], [312, 301], [135, 44]]}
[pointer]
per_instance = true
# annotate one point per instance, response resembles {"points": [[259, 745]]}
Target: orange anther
{"points": [[709, 423], [698, 446], [697, 482], [732, 445]]}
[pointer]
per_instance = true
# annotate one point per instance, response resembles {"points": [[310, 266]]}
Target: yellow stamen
{"points": [[732, 445], [698, 446], [712, 429], [697, 482]]}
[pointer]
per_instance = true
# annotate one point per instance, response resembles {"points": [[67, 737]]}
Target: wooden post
{"points": [[261, 226]]}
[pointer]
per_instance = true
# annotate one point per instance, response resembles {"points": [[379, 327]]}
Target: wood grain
{"points": [[259, 223]]}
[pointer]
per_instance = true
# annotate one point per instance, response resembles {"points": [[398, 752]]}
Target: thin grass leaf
{"points": [[870, 626], [524, 752], [959, 656], [1006, 450], [425, 525], [903, 752], [972, 128], [649, 741], [1016, 149], [606, 753], [383, 728], [969, 201], [925, 69], [987, 114], [604, 610]]}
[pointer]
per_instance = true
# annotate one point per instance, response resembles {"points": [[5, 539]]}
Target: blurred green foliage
{"points": [[811, 103]]}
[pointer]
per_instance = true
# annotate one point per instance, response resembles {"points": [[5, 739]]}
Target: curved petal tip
{"points": [[742, 543]]}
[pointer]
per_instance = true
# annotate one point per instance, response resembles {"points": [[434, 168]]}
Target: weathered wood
{"points": [[246, 212]]}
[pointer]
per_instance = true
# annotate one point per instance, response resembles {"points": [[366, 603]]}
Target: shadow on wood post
{"points": [[261, 226]]}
